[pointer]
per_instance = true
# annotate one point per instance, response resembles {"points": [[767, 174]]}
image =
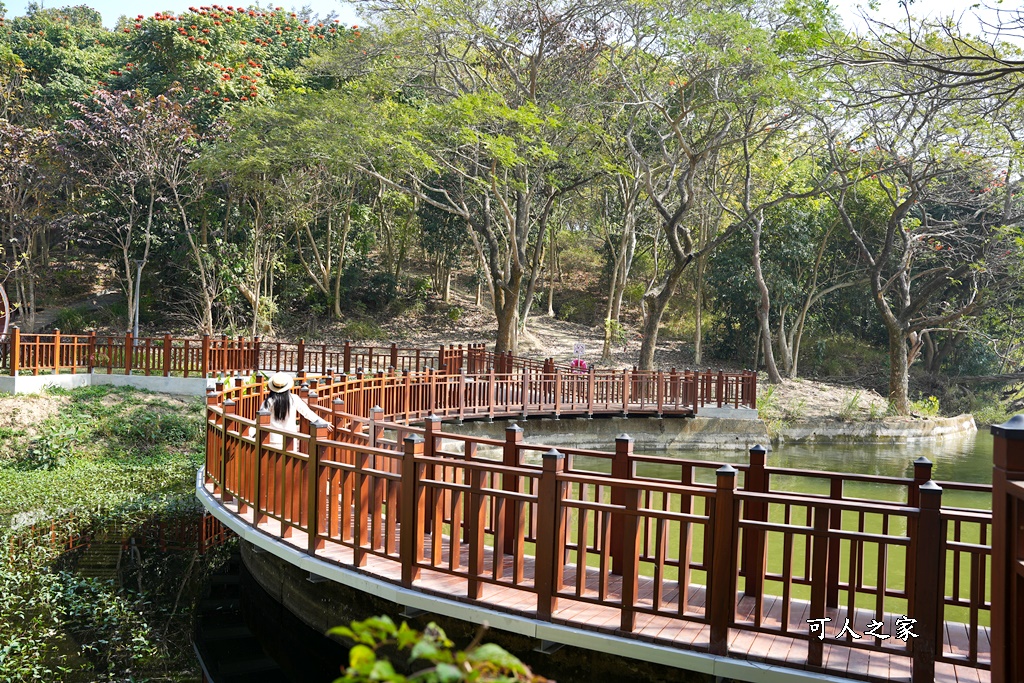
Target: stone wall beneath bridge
{"points": [[324, 604]]}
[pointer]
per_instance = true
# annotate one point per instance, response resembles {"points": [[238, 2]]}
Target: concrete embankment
{"points": [[885, 431], [719, 432]]}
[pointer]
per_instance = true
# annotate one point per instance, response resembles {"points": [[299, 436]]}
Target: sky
{"points": [[112, 9]]}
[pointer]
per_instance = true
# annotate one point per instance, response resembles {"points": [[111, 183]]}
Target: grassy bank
{"points": [[96, 462]]}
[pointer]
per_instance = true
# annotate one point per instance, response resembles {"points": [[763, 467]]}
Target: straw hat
{"points": [[279, 382]]}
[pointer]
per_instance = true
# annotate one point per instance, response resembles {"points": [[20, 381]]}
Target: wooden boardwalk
{"points": [[672, 562], [787, 646]]}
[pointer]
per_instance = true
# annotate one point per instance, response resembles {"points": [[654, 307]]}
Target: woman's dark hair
{"points": [[278, 403]]}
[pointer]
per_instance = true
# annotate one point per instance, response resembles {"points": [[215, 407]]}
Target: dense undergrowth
{"points": [[98, 462]]}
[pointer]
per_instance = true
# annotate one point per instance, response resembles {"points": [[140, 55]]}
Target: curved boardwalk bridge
{"points": [[720, 570]]}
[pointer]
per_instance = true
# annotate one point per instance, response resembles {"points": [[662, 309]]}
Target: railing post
{"points": [[629, 557], [410, 546], [394, 355], [56, 351], [462, 394], [755, 481], [254, 365], [625, 392], [229, 408], [720, 386], [262, 441], [526, 391], [431, 432], [167, 355], [509, 482], [819, 572], [922, 473], [15, 350], [376, 431], [317, 433], [558, 393], [659, 392], [347, 357], [301, 359], [929, 553], [492, 394], [205, 357], [550, 534], [476, 529], [622, 468], [91, 353], [128, 353], [212, 399], [1007, 633], [590, 392], [722, 574]]}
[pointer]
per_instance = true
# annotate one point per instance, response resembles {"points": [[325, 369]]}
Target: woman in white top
{"points": [[284, 407]]}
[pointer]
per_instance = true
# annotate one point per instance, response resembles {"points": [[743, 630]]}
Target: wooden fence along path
{"points": [[718, 559], [473, 380]]}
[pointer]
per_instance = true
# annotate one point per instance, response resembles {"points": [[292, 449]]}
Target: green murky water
{"points": [[966, 459]]}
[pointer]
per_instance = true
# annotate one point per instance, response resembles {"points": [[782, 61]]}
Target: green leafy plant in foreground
{"points": [[431, 655]]}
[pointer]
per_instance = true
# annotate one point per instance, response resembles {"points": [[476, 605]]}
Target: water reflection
{"points": [[965, 459]]}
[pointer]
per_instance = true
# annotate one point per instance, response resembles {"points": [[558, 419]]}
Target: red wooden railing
{"points": [[473, 380], [502, 514]]}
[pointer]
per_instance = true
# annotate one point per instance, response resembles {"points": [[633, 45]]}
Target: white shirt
{"points": [[296, 406]]}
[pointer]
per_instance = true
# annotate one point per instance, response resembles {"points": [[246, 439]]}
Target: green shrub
{"points": [[925, 407], [147, 430], [73, 320], [109, 624], [849, 406], [361, 330], [53, 449]]}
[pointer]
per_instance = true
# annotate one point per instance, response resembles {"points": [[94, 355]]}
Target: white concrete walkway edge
{"points": [[738, 669]]}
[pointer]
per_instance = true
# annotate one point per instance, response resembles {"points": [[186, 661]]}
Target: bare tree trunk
{"points": [[764, 306], [656, 303], [551, 277], [785, 349], [899, 371], [698, 306]]}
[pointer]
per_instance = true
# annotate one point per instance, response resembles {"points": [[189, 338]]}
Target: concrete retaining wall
{"points": [[649, 433], [722, 433], [889, 430], [33, 384]]}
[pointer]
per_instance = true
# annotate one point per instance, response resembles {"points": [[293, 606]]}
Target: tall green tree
{"points": [[493, 126], [702, 79], [918, 197]]}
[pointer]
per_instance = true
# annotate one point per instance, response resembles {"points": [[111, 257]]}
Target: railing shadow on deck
{"points": [[701, 560]]}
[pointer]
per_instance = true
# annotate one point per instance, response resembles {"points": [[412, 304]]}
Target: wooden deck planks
{"points": [[777, 646]]}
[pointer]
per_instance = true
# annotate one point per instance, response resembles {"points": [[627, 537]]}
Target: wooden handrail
{"points": [[482, 381], [382, 487]]}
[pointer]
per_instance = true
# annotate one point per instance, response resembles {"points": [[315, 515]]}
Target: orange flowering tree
{"points": [[221, 56]]}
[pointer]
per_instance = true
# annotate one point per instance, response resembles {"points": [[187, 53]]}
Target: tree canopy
{"points": [[747, 175]]}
